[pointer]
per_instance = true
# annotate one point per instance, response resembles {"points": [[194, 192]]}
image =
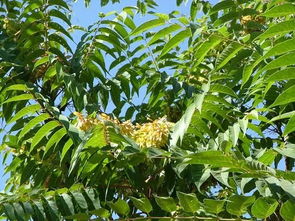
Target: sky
{"points": [[83, 16]]}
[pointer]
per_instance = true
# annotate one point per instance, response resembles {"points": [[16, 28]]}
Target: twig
{"points": [[182, 217]]}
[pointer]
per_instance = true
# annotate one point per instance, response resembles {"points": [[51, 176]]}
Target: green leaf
{"points": [[143, 204], [59, 3], [205, 47], [238, 205], [212, 157], [33, 123], [280, 10], [59, 14], [290, 127], [148, 25], [166, 203], [51, 209], [80, 200], [29, 170], [289, 151], [234, 132], [247, 71], [21, 97], [278, 29], [42, 132], [222, 89], [66, 204], [24, 111], [182, 125], [228, 53], [19, 211], [287, 211], [41, 61], [9, 211], [92, 198], [283, 116], [264, 207], [39, 211], [60, 40], [121, 207], [221, 6], [282, 75], [286, 97], [284, 60], [65, 149], [278, 49], [176, 40], [189, 202], [60, 29], [55, 138], [101, 212], [213, 206], [164, 32], [98, 138], [17, 87], [110, 39]]}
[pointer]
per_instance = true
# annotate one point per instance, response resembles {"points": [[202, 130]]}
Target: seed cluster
{"points": [[151, 134]]}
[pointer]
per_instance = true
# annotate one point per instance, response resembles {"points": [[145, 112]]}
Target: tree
{"points": [[213, 138]]}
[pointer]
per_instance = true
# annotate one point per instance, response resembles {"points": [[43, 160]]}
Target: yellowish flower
{"points": [[84, 123], [106, 117], [153, 134], [127, 128]]}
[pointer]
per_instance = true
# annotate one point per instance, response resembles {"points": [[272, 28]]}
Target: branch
{"points": [[182, 217]]}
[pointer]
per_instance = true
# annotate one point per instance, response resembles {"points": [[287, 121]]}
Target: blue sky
{"points": [[86, 16]]}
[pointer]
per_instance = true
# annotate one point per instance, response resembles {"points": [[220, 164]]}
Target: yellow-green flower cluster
{"points": [[151, 134]]}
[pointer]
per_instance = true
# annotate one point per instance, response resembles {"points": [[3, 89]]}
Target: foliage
{"points": [[213, 137]]}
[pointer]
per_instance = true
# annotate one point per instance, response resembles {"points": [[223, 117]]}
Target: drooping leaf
{"points": [[143, 204], [287, 211], [214, 206], [166, 203], [238, 205], [189, 202], [120, 207], [264, 207]]}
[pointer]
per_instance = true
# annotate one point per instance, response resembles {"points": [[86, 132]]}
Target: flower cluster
{"points": [[87, 123], [151, 134]]}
